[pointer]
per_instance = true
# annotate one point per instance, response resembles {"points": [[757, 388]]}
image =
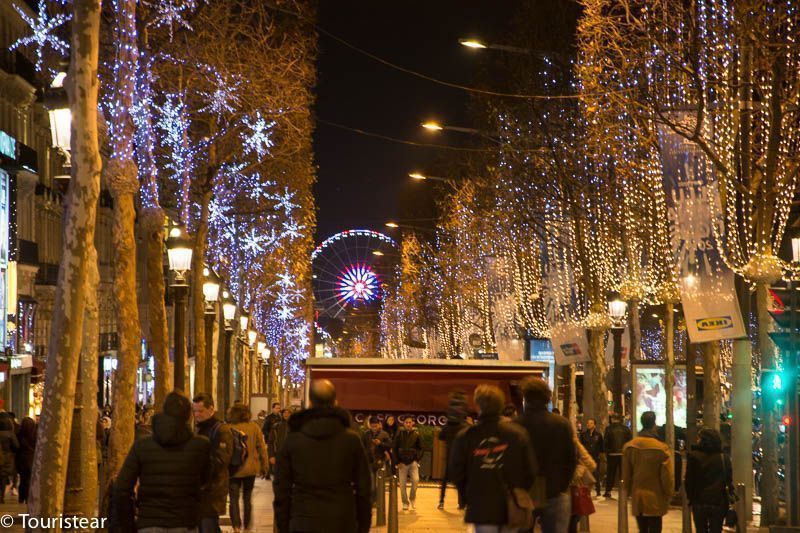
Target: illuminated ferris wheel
{"points": [[349, 269]]}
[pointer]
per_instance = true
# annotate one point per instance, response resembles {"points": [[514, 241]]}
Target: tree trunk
{"points": [[599, 371], [769, 422], [52, 447], [669, 371], [152, 221], [712, 388], [80, 497], [198, 299], [635, 351]]}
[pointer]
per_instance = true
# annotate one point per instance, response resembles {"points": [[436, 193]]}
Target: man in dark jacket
{"points": [[277, 436], [592, 440], [377, 444], [489, 459], [214, 496], [322, 479], [271, 419], [554, 451], [407, 451], [170, 466], [617, 435]]}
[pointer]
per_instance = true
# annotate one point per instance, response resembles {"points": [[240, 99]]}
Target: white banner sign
{"points": [[570, 344]]}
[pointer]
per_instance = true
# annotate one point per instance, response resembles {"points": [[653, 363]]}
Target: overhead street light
{"points": [[391, 224], [617, 309], [422, 177], [179, 254], [377, 252], [471, 43], [432, 125], [480, 45]]}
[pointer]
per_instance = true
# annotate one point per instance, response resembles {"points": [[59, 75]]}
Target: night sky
{"points": [[362, 181]]}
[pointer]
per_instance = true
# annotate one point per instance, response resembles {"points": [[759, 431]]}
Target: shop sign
{"points": [[8, 145], [21, 361]]}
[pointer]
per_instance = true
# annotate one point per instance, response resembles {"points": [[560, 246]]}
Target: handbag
{"points": [[582, 504], [520, 509]]}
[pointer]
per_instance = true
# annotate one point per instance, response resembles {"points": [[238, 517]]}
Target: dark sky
{"points": [[362, 181]]}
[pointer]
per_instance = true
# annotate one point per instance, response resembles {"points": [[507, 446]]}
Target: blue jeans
{"points": [[554, 516]]}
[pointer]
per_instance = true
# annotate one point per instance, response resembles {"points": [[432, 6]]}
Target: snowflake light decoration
{"points": [[223, 97], [358, 284], [258, 135], [171, 13], [43, 28]]}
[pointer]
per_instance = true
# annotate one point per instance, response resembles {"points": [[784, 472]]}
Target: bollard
{"points": [[380, 497], [622, 508], [393, 526], [741, 508]]}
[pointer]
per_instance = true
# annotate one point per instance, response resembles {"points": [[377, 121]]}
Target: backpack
{"points": [[239, 453]]}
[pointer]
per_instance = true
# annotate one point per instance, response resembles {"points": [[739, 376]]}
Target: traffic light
{"points": [[773, 388], [786, 420]]}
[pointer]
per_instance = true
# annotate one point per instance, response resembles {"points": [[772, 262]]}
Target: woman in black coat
{"points": [[8, 449], [709, 477], [27, 444]]}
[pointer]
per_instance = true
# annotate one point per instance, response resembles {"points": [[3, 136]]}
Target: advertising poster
{"points": [[570, 344], [650, 394]]}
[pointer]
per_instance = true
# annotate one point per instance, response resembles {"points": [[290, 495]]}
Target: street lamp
{"points": [[475, 44], [617, 309], [58, 110], [211, 287], [391, 224], [437, 127], [378, 253], [244, 318], [471, 43], [252, 335], [179, 253], [228, 314], [422, 177], [432, 125]]}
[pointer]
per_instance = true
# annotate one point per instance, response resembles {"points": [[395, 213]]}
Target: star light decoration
{"points": [[43, 27], [257, 136], [358, 284], [224, 96], [171, 13]]}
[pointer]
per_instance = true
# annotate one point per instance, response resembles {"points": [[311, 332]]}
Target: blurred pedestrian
{"points": [[26, 436], [709, 482], [390, 426], [592, 440], [378, 446], [243, 480], [491, 459], [648, 473], [270, 419], [322, 480], [581, 486], [553, 443], [456, 421], [9, 445], [169, 468], [214, 497], [277, 436], [408, 453], [616, 436]]}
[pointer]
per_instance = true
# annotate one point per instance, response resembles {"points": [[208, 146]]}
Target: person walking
{"points": [[378, 446], [491, 459], [709, 482], [407, 451], [648, 474], [616, 436], [214, 497], [592, 440], [169, 467], [456, 421], [322, 480], [581, 485], [277, 436], [272, 418], [390, 426], [9, 445], [26, 436], [553, 443], [243, 480]]}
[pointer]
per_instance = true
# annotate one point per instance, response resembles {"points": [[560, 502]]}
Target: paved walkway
{"points": [[426, 519]]}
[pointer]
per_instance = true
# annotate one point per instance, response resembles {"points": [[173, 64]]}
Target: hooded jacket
{"points": [[170, 467], [322, 478]]}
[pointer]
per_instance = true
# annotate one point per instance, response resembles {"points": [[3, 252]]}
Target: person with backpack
{"points": [[214, 495], [277, 435], [159, 485], [243, 476]]}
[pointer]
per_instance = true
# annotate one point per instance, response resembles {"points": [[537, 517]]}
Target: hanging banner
{"points": [[706, 284], [570, 344], [503, 306]]}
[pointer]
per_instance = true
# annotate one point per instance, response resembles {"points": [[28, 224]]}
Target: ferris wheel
{"points": [[349, 270]]}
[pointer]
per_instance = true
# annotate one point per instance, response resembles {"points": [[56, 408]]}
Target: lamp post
{"points": [[437, 127], [616, 310], [423, 177], [247, 374], [261, 346], [228, 314], [211, 295], [57, 104], [179, 253]]}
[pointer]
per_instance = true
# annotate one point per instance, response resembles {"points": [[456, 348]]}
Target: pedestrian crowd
{"points": [[512, 471]]}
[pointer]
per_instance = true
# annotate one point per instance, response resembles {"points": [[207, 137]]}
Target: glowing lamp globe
{"points": [[243, 321], [252, 335]]}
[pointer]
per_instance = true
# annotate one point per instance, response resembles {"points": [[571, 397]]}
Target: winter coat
{"points": [[269, 421], [170, 467], [553, 446], [708, 477], [407, 446], [593, 442], [647, 469], [215, 493], [9, 445], [451, 430], [584, 470], [277, 436], [256, 462], [24, 458], [376, 453], [490, 458], [322, 478], [615, 438]]}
